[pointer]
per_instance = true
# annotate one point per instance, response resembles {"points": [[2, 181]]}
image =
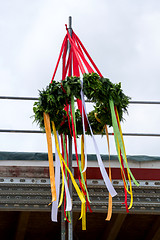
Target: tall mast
{"points": [[70, 225]]}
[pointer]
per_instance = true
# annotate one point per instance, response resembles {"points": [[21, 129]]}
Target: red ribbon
{"points": [[76, 59], [62, 47], [87, 54]]}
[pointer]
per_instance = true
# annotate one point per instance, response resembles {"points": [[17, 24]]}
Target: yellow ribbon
{"points": [[50, 154], [83, 205], [62, 161], [62, 188], [129, 177], [109, 214]]}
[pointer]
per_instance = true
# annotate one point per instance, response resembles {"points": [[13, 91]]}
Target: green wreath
{"points": [[96, 89]]}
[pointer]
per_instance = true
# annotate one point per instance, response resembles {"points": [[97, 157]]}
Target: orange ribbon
{"points": [[50, 154]]}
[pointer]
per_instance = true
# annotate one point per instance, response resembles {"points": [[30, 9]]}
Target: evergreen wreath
{"points": [[96, 89]]}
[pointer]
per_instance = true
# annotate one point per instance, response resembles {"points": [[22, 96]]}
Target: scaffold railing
{"points": [[41, 132]]}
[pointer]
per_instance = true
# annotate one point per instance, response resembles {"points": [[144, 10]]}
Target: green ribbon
{"points": [[65, 159], [118, 135]]}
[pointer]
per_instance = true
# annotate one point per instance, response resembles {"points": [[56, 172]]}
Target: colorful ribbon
{"points": [[50, 154], [54, 212], [100, 162], [83, 205], [109, 214], [62, 161], [77, 59]]}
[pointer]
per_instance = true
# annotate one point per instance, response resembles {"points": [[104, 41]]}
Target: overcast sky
{"points": [[123, 38]]}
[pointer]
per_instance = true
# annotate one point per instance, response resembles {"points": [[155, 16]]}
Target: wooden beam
{"points": [[112, 232], [154, 231], [22, 225]]}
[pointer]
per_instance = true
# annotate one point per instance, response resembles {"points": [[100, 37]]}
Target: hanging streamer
{"points": [[109, 214], [50, 154], [62, 188], [87, 54], [84, 119], [129, 177], [116, 130], [67, 213], [77, 59], [100, 162], [62, 161], [78, 49], [54, 211], [122, 154], [75, 143], [122, 170], [123, 174], [62, 47], [83, 205], [57, 179]]}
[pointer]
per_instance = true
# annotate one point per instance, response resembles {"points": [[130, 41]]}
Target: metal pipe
{"points": [[124, 134], [19, 131], [144, 102], [63, 224], [70, 225], [19, 98], [70, 32], [36, 98]]}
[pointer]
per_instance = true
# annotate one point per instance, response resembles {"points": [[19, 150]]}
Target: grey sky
{"points": [[122, 36]]}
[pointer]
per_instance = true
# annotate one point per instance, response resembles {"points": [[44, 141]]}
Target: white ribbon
{"points": [[68, 196], [54, 211], [100, 162]]}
